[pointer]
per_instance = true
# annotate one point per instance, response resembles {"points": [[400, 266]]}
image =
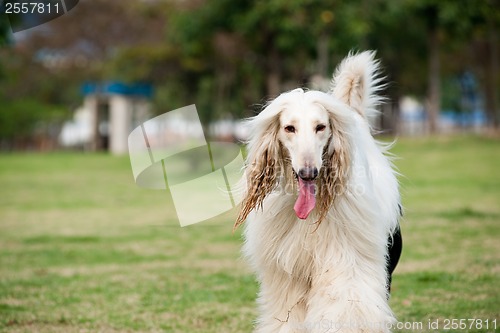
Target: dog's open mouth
{"points": [[307, 198]]}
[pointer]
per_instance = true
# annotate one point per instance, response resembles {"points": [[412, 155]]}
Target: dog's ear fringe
{"points": [[265, 156], [263, 161], [335, 170], [357, 82]]}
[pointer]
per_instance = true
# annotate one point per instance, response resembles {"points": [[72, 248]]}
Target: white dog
{"points": [[322, 208]]}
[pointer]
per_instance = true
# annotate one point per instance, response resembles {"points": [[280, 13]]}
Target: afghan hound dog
{"points": [[321, 208]]}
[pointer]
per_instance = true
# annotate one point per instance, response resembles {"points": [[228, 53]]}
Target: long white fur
{"points": [[332, 279]]}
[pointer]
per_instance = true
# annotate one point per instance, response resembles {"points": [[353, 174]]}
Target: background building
{"points": [[110, 111]]}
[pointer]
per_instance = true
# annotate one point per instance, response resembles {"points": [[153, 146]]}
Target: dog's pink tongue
{"points": [[307, 199]]}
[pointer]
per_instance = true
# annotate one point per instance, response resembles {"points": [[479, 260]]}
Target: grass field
{"points": [[82, 249]]}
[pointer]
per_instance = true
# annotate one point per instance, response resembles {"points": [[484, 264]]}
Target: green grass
{"points": [[450, 267], [83, 249]]}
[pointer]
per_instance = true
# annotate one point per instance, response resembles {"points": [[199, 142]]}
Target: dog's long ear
{"points": [[336, 166], [356, 83], [264, 160]]}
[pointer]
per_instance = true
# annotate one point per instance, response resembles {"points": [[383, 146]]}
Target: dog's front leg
{"points": [[281, 303], [348, 302]]}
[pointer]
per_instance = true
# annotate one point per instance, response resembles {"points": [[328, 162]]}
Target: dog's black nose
{"points": [[308, 173]]}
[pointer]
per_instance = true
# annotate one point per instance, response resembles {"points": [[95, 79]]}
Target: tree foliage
{"points": [[228, 55]]}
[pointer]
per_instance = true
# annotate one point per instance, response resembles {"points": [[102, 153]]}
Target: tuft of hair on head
{"points": [[357, 82]]}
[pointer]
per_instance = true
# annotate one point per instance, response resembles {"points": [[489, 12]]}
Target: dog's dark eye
{"points": [[320, 128], [289, 129]]}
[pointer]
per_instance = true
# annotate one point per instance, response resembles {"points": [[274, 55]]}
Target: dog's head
{"points": [[302, 138]]}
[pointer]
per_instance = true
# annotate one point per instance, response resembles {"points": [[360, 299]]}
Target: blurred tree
{"points": [[449, 26], [421, 41], [397, 36], [90, 35], [228, 54], [28, 101], [41, 74], [485, 39], [5, 31], [242, 51]]}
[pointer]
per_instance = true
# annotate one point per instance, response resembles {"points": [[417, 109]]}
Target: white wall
{"points": [[120, 113]]}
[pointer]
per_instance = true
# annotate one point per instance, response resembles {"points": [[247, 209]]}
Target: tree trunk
{"points": [[491, 102], [434, 89]]}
